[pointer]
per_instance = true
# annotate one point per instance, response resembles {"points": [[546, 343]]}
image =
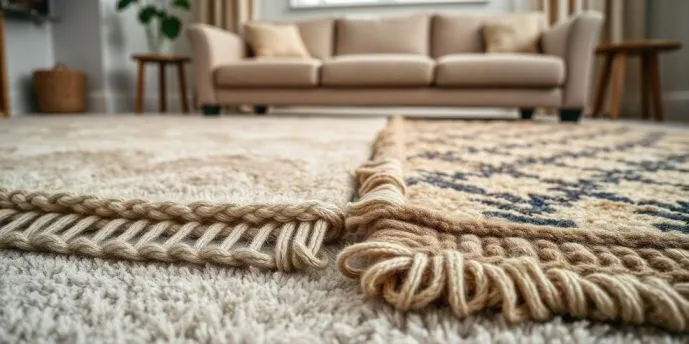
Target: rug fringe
{"points": [[519, 287], [273, 244]]}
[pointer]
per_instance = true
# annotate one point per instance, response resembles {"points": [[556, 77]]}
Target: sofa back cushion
{"points": [[456, 34], [385, 35], [318, 36], [463, 33]]}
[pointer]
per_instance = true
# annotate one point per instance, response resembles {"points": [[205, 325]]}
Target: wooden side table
{"points": [[615, 67], [162, 61]]}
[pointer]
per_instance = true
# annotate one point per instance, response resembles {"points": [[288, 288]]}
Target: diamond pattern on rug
{"points": [[584, 176]]}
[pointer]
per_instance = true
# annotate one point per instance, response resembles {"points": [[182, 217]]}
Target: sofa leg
{"points": [[526, 113], [570, 115], [211, 110], [261, 109]]}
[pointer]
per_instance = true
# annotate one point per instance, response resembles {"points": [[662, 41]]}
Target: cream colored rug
{"points": [[50, 298], [236, 191]]}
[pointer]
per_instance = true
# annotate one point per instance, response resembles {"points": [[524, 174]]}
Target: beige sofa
{"points": [[416, 60]]}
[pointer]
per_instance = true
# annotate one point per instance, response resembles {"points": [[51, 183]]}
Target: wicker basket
{"points": [[60, 90]]}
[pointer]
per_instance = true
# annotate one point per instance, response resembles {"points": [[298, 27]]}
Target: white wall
{"points": [[668, 19], [93, 37], [122, 35], [280, 9], [78, 45], [28, 47]]}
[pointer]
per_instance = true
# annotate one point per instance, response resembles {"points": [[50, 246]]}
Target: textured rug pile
{"points": [[247, 191], [66, 298], [502, 221]]}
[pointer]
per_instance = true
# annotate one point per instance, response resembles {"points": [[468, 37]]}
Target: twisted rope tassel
{"points": [[519, 287], [271, 243]]}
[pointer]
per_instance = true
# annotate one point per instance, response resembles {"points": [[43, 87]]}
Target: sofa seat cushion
{"points": [[378, 70], [500, 71], [278, 72]]}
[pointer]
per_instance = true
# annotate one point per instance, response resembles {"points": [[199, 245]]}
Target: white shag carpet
{"points": [[53, 298]]}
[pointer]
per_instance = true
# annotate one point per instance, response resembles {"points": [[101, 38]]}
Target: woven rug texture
{"points": [[531, 219], [266, 192]]}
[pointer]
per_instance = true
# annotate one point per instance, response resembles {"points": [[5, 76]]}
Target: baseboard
{"points": [[677, 106], [97, 102], [21, 103], [673, 96], [17, 105]]}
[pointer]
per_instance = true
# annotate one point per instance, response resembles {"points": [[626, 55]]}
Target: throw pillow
{"points": [[275, 40], [518, 33]]}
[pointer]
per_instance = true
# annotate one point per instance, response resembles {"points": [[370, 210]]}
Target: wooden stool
{"points": [[162, 61], [615, 67]]}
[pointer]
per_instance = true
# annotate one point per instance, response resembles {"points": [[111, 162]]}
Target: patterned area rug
{"points": [[264, 192], [532, 219]]}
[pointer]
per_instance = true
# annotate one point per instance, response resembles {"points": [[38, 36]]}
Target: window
{"points": [[345, 3]]}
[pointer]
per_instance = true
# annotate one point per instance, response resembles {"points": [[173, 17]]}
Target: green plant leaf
{"points": [[182, 4], [123, 4], [170, 26], [147, 13]]}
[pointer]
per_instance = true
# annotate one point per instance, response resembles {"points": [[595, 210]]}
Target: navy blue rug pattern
{"points": [[590, 175]]}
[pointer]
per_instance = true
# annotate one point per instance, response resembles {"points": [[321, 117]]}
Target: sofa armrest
{"points": [[211, 47], [574, 41]]}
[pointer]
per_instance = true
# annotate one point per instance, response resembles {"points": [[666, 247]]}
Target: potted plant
{"points": [[158, 18]]}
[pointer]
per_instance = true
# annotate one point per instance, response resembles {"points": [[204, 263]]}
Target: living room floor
{"points": [[521, 170]]}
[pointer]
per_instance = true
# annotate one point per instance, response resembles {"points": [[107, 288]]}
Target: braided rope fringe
{"points": [[413, 257], [274, 236], [170, 211]]}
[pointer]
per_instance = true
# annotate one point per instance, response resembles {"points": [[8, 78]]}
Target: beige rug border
{"points": [[521, 288]]}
